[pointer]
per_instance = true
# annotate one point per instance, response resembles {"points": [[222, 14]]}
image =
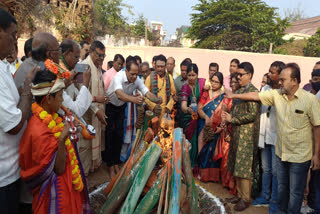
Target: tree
{"points": [[108, 16], [294, 15], [312, 47], [139, 27], [245, 25]]}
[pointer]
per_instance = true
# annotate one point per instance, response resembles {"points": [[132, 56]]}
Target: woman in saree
{"points": [[211, 131], [191, 92], [48, 157]]}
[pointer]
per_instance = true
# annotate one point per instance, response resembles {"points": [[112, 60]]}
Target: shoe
{"points": [[241, 206], [233, 200], [260, 202]]}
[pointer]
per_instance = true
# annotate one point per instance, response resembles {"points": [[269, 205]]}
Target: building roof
{"points": [[307, 26]]}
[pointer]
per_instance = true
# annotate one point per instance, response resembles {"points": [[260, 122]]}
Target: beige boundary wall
{"points": [[203, 57]]}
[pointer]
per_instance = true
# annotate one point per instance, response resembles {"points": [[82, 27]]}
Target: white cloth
{"points": [[10, 117], [12, 66], [268, 125], [43, 89], [120, 81], [318, 95], [82, 102]]}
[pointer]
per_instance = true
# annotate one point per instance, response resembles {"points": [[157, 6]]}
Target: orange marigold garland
{"points": [[54, 122], [57, 69]]}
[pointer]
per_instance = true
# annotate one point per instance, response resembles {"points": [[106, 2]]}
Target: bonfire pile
{"points": [[157, 178]]}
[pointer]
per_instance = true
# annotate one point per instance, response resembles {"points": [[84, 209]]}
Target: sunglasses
{"points": [[241, 74]]}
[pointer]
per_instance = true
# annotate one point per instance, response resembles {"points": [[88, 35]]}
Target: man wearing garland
{"points": [[161, 84], [49, 161]]}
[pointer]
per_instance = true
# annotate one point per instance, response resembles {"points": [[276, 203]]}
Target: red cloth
{"points": [[37, 149]]}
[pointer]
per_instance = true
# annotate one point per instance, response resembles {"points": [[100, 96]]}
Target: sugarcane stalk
{"points": [[174, 205], [153, 195], [116, 179], [148, 162], [163, 187], [120, 190], [192, 191], [168, 186]]}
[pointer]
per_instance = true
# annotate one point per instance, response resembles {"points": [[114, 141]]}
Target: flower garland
{"points": [[55, 124], [57, 69]]}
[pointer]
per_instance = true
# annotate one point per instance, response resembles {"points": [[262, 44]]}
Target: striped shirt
{"points": [[295, 119]]}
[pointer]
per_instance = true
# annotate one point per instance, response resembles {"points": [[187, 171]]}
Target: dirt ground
{"points": [[101, 176]]}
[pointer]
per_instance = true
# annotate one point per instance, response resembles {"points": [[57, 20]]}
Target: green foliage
{"points": [[312, 47], [139, 27], [245, 25], [108, 16]]}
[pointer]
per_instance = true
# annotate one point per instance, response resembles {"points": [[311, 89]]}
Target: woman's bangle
{"points": [[94, 99]]}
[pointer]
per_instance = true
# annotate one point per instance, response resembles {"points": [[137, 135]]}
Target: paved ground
{"points": [[100, 176]]}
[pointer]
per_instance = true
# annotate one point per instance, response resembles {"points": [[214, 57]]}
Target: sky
{"points": [[174, 13]]}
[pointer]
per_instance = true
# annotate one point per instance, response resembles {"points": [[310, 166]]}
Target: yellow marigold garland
{"points": [[56, 126]]}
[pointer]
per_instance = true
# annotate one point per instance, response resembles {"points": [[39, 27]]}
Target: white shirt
{"points": [[82, 102], [120, 81], [268, 125], [318, 95], [10, 117]]}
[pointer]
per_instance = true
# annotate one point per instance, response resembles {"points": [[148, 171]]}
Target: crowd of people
{"points": [[262, 145]]}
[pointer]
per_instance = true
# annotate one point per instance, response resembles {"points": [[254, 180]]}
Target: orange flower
{"points": [[50, 65], [56, 129], [66, 75], [59, 120], [47, 119], [75, 176], [36, 109]]}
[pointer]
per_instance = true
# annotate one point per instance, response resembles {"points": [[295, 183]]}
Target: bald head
{"points": [[71, 52], [69, 45], [170, 65], [45, 46]]}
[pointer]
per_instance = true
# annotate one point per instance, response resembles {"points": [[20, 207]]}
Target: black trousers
{"points": [[9, 198], [114, 134]]}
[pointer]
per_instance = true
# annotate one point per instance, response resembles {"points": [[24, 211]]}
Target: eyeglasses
{"points": [[241, 74], [100, 55]]}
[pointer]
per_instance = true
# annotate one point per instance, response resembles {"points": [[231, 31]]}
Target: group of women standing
{"points": [[208, 135]]}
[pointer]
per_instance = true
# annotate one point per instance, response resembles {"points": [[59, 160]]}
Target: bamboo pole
{"points": [[148, 162], [174, 205], [192, 192], [114, 181], [120, 190], [168, 186], [153, 195], [163, 187]]}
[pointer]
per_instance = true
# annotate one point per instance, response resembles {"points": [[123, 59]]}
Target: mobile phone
{"points": [[80, 68], [42, 66]]}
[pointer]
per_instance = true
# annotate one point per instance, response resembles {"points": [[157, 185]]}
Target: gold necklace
{"points": [[194, 93]]}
